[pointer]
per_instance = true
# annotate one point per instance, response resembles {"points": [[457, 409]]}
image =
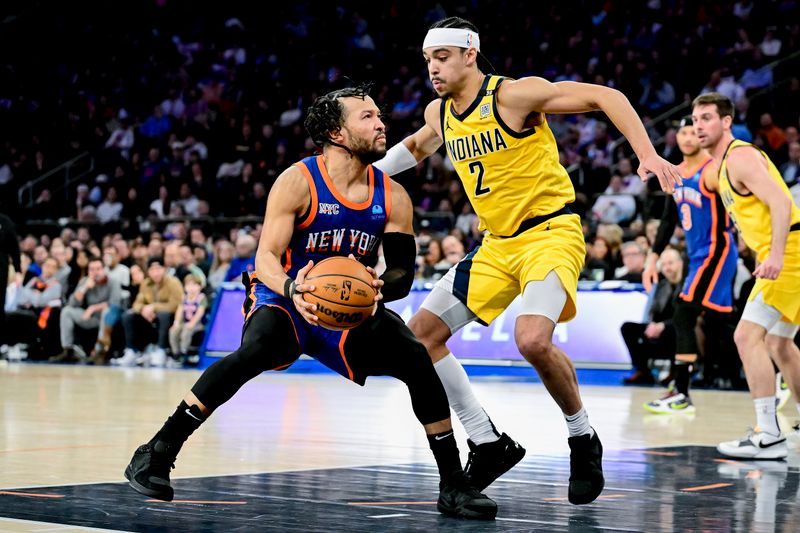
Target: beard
{"points": [[693, 152], [367, 151]]}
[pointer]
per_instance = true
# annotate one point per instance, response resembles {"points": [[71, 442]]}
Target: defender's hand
{"points": [[668, 176], [305, 309]]}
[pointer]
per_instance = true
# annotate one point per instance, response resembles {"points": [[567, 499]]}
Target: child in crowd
{"points": [[188, 317]]}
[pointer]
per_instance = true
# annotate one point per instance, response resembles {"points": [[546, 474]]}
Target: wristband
{"points": [[288, 288]]}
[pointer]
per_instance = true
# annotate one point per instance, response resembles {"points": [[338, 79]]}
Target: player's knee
{"points": [[534, 347], [429, 330], [778, 347], [746, 338]]}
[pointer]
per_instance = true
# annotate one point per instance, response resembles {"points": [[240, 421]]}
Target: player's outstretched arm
{"points": [[288, 199], [417, 146], [537, 94], [748, 168], [669, 221], [399, 248]]}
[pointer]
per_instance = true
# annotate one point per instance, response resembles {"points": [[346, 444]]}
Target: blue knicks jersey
{"points": [[705, 222], [336, 226]]}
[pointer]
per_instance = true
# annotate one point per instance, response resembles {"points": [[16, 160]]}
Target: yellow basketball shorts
{"points": [[783, 293], [489, 278]]}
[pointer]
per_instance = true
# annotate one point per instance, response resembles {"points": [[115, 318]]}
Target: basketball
{"points": [[343, 292]]}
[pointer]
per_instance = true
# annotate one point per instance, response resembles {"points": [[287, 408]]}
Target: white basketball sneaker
{"points": [[756, 444], [674, 402], [782, 392]]}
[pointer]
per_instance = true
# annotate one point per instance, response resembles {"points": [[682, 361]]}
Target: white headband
{"points": [[460, 37]]}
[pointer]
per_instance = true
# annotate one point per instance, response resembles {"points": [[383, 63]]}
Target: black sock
{"points": [[682, 373], [179, 426], [445, 451]]}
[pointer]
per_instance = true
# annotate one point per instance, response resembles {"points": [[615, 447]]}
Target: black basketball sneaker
{"points": [[459, 498], [586, 479], [487, 462], [148, 471]]}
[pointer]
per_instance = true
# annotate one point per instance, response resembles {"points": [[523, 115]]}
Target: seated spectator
{"points": [[34, 322], [110, 209], [188, 318], [223, 255], [78, 269], [633, 257], [149, 319], [453, 252], [116, 270], [614, 206], [245, 260], [188, 266], [598, 267], [431, 255], [656, 339], [87, 308], [791, 169]]}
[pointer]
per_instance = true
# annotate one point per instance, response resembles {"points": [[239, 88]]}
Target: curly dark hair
{"points": [[326, 115]]}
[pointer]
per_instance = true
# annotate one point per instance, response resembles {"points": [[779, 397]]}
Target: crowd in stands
{"points": [[189, 115]]}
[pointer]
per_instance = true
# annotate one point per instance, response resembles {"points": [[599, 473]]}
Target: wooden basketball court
{"points": [[313, 452]]}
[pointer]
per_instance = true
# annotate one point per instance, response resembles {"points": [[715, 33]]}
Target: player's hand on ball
{"points": [[667, 174], [770, 268], [305, 309], [376, 282]]}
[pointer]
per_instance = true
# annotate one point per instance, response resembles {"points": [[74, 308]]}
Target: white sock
{"points": [[578, 424], [459, 392], [765, 415]]}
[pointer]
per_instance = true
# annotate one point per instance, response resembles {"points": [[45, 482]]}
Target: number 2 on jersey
{"points": [[477, 166]]}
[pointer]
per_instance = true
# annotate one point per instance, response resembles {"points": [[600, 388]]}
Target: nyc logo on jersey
{"points": [[328, 209]]}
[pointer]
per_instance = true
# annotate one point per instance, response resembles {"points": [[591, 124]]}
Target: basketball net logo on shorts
{"points": [[332, 240]]}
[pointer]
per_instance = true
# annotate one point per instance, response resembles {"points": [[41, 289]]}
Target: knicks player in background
{"points": [[711, 247], [506, 156], [761, 206], [335, 204]]}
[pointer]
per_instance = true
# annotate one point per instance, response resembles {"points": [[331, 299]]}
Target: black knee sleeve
{"points": [[268, 343], [685, 320], [428, 397]]}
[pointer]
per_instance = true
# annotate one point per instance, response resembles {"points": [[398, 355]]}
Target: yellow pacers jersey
{"points": [[508, 176], [751, 215]]}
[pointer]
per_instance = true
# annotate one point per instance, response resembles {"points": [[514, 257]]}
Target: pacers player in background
{"points": [[761, 206], [497, 137], [711, 247]]}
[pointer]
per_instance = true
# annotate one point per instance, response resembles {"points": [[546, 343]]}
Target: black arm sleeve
{"points": [[400, 252], [669, 219]]}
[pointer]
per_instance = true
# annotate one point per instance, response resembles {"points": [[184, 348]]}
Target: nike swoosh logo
{"points": [[761, 444], [188, 412], [440, 437]]}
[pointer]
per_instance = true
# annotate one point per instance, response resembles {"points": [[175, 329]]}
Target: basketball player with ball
{"points": [[314, 291]]}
